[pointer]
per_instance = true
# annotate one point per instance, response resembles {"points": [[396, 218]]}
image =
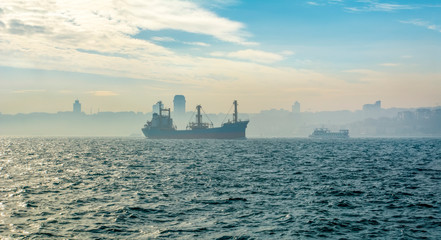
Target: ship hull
{"points": [[329, 136], [227, 131]]}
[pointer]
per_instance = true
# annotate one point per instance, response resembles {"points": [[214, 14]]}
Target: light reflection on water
{"points": [[254, 189]]}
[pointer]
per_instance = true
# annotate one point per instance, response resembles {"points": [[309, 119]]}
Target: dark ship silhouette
{"points": [[161, 127]]}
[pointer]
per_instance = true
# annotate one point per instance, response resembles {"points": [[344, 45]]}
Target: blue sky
{"points": [[126, 55]]}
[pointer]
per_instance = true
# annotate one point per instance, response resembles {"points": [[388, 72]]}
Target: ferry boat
{"points": [[161, 127], [326, 133]]}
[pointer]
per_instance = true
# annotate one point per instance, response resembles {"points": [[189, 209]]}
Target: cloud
{"points": [[360, 71], [29, 91], [218, 3], [251, 55], [287, 53], [201, 44], [163, 39], [169, 39], [335, 1], [375, 6], [387, 7], [367, 5], [179, 15], [81, 20], [98, 37], [103, 93], [18, 27], [425, 24]]}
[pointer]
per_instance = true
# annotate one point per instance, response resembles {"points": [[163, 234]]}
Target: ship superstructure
{"points": [[161, 121], [326, 133], [161, 127]]}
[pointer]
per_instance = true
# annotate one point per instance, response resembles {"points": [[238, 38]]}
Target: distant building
{"points": [[372, 107], [77, 106], [156, 107], [179, 105], [423, 113], [296, 107], [406, 116]]}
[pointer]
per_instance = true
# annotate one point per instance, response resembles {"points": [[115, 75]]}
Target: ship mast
{"points": [[160, 112], [235, 112], [199, 116], [163, 110], [160, 107]]}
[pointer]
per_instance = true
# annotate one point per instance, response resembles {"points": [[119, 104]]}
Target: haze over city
{"points": [[220, 119], [126, 55]]}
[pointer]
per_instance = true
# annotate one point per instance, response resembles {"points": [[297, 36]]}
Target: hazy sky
{"points": [[124, 55]]}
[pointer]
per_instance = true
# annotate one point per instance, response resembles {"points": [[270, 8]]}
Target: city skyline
{"points": [[372, 121], [295, 108], [125, 56]]}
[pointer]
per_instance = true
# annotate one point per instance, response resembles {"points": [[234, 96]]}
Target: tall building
{"points": [[179, 105], [77, 106], [296, 107]]}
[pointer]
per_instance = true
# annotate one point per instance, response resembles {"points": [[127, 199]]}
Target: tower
{"points": [[77, 106], [296, 107], [179, 105]]}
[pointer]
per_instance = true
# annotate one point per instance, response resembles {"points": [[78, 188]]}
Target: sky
{"points": [[125, 55]]}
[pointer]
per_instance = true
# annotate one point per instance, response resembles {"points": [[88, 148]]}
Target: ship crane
{"points": [[235, 112], [199, 116], [199, 124]]}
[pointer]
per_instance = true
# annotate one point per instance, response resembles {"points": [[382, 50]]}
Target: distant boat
{"points": [[161, 127], [326, 133]]}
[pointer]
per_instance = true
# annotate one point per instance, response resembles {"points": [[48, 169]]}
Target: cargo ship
{"points": [[326, 133], [161, 127]]}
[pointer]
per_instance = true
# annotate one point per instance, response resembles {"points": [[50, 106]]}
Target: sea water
{"points": [[133, 188]]}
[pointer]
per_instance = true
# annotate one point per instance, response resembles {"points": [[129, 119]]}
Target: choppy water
{"points": [[122, 188]]}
